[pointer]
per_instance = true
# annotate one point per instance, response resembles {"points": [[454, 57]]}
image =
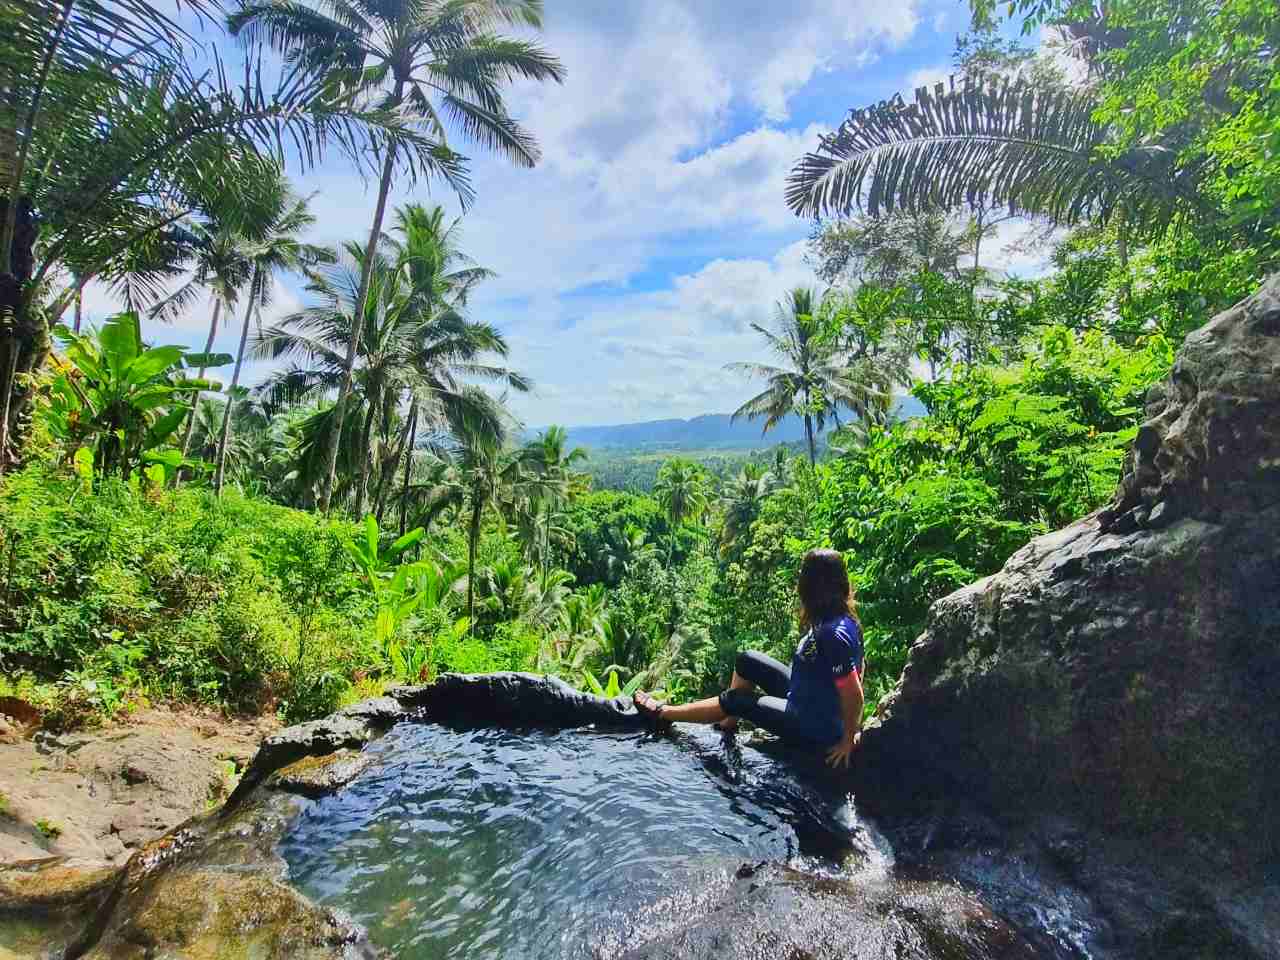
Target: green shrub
{"points": [[177, 594]]}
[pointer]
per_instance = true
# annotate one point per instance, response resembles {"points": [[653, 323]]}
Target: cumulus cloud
{"points": [[632, 260], [662, 353]]}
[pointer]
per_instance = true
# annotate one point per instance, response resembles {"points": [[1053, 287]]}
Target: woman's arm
{"points": [[849, 687]]}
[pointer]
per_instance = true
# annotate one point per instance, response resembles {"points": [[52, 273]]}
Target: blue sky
{"points": [[632, 259]]}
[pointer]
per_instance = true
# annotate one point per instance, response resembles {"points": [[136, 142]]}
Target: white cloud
{"points": [[927, 77], [660, 354], [669, 143]]}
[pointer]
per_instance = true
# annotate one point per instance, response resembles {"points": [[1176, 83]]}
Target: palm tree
{"points": [[817, 381], [278, 251], [447, 345], [113, 133], [546, 459], [742, 499], [1024, 145], [430, 59], [680, 489], [415, 345], [583, 623], [486, 475], [222, 267]]}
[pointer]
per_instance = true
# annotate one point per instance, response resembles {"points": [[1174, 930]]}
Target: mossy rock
{"points": [[220, 915], [44, 903], [320, 776]]}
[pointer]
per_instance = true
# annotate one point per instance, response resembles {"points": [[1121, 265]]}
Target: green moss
{"points": [[209, 915]]}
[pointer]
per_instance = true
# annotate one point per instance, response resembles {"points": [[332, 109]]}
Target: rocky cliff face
{"points": [[1126, 670]]}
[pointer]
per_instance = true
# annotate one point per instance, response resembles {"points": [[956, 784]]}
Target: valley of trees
{"points": [[367, 514]]}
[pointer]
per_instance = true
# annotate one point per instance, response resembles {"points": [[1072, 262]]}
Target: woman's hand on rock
{"points": [[838, 756]]}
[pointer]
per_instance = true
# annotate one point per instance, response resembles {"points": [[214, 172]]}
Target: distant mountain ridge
{"points": [[709, 431]]}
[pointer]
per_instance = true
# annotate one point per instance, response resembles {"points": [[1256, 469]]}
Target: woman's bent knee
{"points": [[735, 703]]}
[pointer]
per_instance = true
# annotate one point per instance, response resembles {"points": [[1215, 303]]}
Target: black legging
{"points": [[768, 709]]}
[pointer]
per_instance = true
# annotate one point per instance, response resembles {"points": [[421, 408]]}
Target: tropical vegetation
{"points": [[371, 511]]}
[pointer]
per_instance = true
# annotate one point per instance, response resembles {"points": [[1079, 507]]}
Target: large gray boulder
{"points": [[1125, 670]]}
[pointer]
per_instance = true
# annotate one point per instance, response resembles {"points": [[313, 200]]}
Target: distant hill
{"points": [[707, 432]]}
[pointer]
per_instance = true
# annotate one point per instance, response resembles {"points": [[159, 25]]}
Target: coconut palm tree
{"points": [[221, 267], [416, 346], [113, 133], [448, 347], [430, 59], [486, 476], [681, 491], [279, 250], [546, 458], [817, 380], [742, 499]]}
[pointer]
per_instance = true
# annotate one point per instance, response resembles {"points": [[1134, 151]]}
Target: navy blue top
{"points": [[831, 650]]}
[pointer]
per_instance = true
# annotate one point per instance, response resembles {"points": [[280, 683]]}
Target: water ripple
{"points": [[489, 843]]}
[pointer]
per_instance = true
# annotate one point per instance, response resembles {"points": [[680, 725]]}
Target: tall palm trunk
{"points": [[79, 303], [808, 435], [9, 385], [473, 541], [195, 406], [366, 274], [408, 463], [224, 434], [388, 471], [366, 451]]}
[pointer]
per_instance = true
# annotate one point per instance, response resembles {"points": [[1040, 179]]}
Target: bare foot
{"points": [[650, 708]]}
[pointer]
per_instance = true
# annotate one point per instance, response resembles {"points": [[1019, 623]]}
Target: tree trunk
{"points": [[473, 540], [10, 361], [408, 463], [389, 464], [808, 433], [79, 314], [219, 474], [366, 449], [17, 160], [331, 453], [24, 346], [195, 405]]}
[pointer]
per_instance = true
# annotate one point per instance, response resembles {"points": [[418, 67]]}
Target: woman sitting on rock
{"points": [[817, 702]]}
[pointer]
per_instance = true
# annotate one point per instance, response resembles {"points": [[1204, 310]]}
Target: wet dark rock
{"points": [[515, 700], [782, 913], [1210, 447], [43, 903], [351, 727], [52, 883], [1117, 674], [215, 914]]}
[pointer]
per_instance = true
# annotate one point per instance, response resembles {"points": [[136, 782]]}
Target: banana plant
{"points": [[117, 397], [401, 590], [378, 565]]}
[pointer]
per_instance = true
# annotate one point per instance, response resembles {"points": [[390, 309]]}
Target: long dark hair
{"points": [[825, 591]]}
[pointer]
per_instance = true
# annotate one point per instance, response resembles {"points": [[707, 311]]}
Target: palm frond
{"points": [[990, 141]]}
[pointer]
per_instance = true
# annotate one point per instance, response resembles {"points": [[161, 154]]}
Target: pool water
{"points": [[555, 844]]}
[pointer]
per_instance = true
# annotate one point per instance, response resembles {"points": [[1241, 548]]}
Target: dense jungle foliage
{"points": [[365, 515]]}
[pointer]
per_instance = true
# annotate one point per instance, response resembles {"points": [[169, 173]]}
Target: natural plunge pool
{"points": [[489, 843]]}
